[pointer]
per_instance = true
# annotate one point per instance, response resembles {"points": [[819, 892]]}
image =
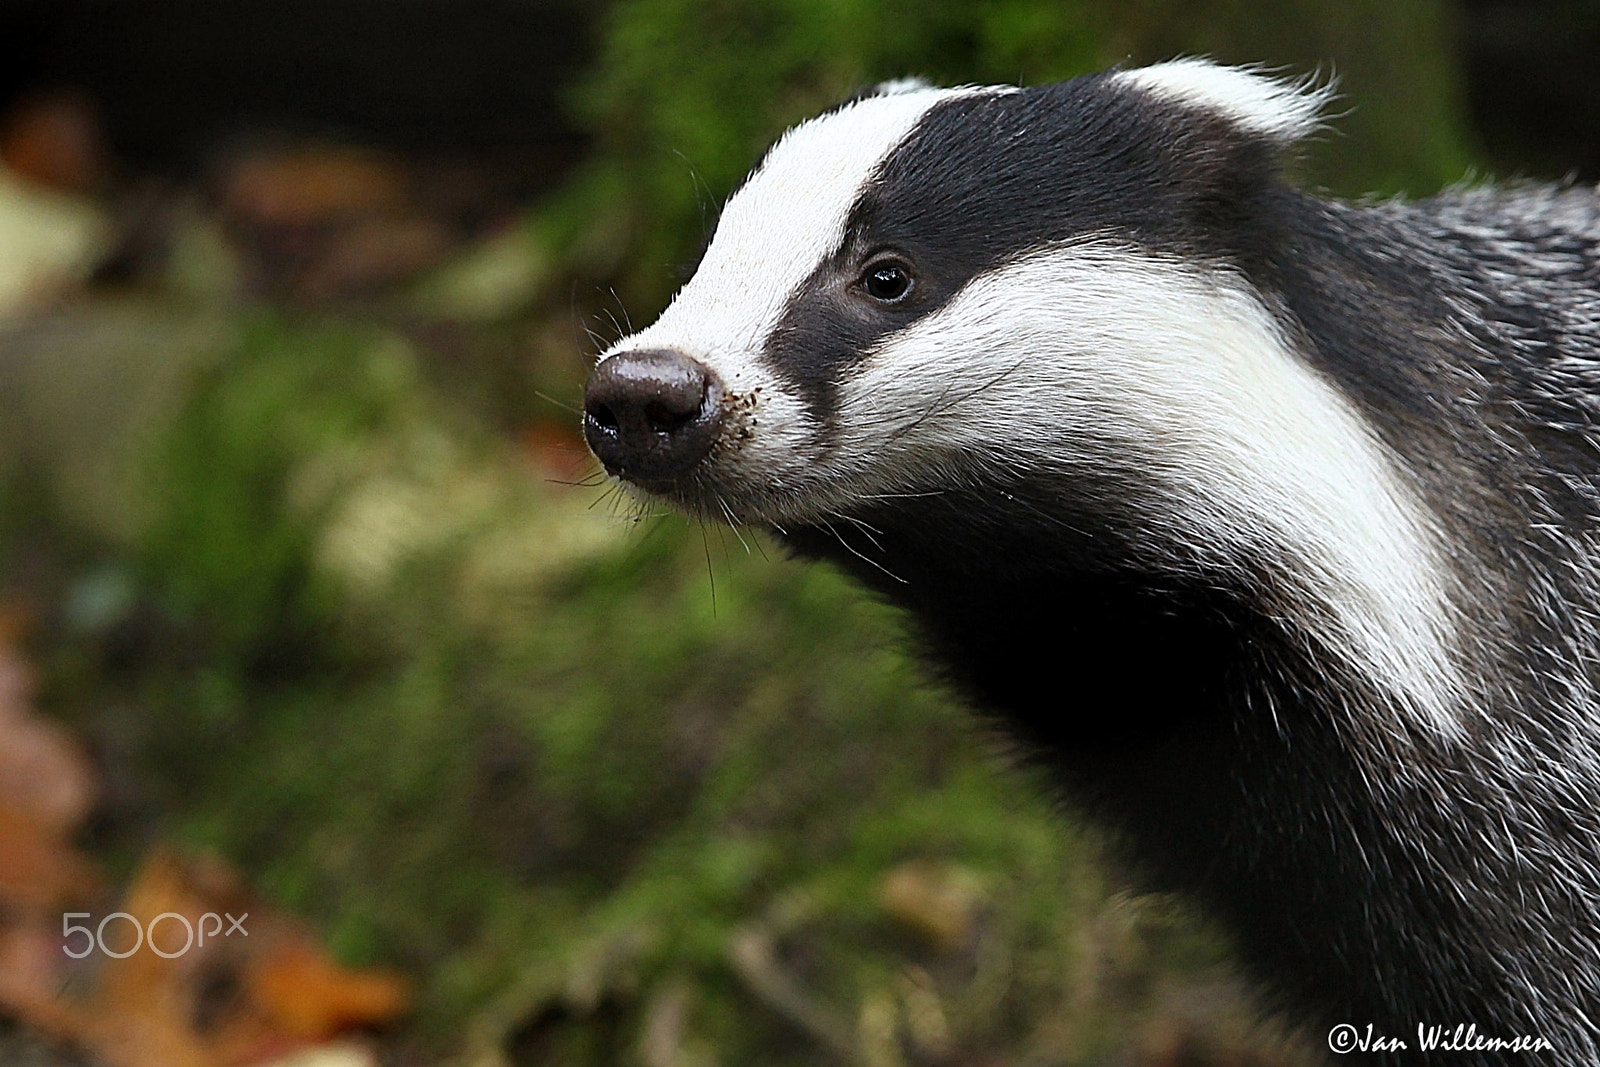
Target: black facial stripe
{"points": [[983, 179]]}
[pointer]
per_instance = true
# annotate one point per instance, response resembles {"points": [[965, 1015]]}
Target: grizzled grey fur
{"points": [[1269, 521]]}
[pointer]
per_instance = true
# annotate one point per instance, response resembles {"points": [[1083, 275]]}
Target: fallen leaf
{"points": [[309, 996], [190, 969], [54, 139], [44, 773], [249, 985], [310, 184]]}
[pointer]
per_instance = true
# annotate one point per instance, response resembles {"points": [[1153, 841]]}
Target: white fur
{"points": [[1096, 357], [1283, 110], [897, 86], [773, 233], [1257, 454], [1040, 367], [787, 218]]}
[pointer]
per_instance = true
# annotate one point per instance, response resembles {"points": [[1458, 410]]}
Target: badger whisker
{"points": [[1272, 519], [732, 522], [872, 533], [854, 551], [622, 307], [558, 403], [711, 577]]}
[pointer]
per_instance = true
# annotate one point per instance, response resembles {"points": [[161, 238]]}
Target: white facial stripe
{"points": [[778, 228], [1257, 103], [1041, 366], [1099, 357]]}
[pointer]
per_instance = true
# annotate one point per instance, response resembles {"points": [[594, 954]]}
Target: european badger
{"points": [[1273, 521]]}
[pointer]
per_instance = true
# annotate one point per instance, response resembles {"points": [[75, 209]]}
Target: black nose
{"points": [[652, 415]]}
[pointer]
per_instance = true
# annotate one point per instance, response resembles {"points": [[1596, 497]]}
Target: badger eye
{"points": [[887, 281]]}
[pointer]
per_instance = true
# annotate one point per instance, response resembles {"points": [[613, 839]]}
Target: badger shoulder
{"points": [[1075, 376], [1472, 317]]}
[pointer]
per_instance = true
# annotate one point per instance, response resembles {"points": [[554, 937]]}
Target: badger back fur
{"points": [[1270, 520]]}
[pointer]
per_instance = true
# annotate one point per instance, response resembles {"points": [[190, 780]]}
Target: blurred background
{"points": [[314, 609]]}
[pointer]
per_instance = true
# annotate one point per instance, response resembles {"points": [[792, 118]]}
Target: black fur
{"points": [[982, 179], [1373, 870], [1149, 693]]}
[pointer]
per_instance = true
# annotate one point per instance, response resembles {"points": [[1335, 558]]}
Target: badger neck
{"points": [[1071, 630], [1033, 618], [1187, 720]]}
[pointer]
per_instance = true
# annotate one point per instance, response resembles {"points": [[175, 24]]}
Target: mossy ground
{"points": [[317, 588]]}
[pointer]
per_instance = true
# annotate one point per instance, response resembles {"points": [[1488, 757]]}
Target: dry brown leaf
{"points": [[211, 977], [255, 990], [311, 997], [54, 139], [311, 184], [44, 774], [45, 790]]}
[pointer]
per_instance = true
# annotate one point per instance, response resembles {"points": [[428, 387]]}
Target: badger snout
{"points": [[651, 416]]}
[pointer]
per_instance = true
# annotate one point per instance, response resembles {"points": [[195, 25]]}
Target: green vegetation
{"points": [[544, 759], [614, 790]]}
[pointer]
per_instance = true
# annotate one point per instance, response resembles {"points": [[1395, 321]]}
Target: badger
{"points": [[1272, 522]]}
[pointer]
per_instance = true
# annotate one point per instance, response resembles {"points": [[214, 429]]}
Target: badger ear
{"points": [[897, 86], [1249, 97], [893, 87]]}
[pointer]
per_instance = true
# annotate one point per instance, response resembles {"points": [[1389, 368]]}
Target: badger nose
{"points": [[651, 415]]}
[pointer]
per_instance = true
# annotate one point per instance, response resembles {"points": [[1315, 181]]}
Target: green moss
{"points": [[556, 794], [471, 725]]}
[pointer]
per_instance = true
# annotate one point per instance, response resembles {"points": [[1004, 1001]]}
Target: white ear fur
{"points": [[1283, 110], [897, 86]]}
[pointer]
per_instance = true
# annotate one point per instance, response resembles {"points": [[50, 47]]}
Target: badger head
{"points": [[1051, 295], [928, 284]]}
